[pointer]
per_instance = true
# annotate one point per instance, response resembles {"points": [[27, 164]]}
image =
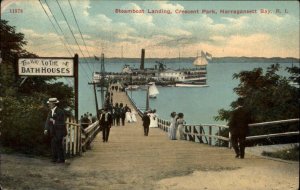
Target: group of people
{"points": [[109, 116], [130, 115], [87, 119], [117, 88], [176, 125]]}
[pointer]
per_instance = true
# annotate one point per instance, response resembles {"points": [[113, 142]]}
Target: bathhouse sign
{"points": [[46, 66]]}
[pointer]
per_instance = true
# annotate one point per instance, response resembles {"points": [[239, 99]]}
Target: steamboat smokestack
{"points": [[142, 60]]}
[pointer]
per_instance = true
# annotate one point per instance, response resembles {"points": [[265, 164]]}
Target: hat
{"points": [[52, 100], [173, 114]]}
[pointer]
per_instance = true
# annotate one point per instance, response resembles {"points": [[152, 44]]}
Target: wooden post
{"points": [[102, 79], [142, 60], [76, 62], [200, 138], [147, 99], [209, 139], [195, 132], [80, 141], [219, 133], [229, 141], [96, 101]]}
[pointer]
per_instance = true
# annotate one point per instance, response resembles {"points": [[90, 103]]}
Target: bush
{"points": [[23, 124]]}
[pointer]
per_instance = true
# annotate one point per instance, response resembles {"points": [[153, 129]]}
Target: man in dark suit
{"points": [[238, 127], [105, 122], [146, 123], [56, 128], [122, 113]]}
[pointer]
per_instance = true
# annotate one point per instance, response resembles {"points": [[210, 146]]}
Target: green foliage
{"points": [[24, 108], [267, 96], [295, 74], [22, 124]]}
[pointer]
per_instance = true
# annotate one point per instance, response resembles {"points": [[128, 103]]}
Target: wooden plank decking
{"points": [[131, 160]]}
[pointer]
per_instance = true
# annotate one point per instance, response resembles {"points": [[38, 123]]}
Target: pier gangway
{"points": [[79, 139]]}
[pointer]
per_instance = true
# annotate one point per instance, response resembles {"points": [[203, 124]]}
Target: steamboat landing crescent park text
{"points": [[199, 11]]}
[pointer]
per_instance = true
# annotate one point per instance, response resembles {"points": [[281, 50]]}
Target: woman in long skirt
{"points": [[173, 127], [128, 116], [180, 123], [133, 117]]}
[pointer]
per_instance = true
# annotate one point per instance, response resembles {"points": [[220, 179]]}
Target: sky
{"points": [[99, 29]]}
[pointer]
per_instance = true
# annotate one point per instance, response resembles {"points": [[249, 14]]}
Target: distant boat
{"points": [[132, 87], [187, 77], [190, 85], [201, 61], [153, 91], [196, 77]]}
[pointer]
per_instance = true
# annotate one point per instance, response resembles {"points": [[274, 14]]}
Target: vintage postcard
{"points": [[99, 94]]}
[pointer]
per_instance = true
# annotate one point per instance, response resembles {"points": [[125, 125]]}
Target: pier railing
{"points": [[282, 129], [89, 134], [140, 112], [202, 133], [79, 139]]}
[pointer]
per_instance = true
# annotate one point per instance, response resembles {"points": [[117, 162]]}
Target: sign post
{"points": [[76, 85]]}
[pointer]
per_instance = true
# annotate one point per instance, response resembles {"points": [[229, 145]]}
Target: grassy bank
{"points": [[288, 154]]}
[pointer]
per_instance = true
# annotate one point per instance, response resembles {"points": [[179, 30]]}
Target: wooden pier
{"points": [[132, 161]]}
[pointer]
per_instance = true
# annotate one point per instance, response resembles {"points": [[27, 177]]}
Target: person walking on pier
{"points": [[238, 127], [146, 123], [105, 122], [117, 114], [55, 126], [122, 113]]}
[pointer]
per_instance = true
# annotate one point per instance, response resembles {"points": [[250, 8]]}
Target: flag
{"points": [[96, 58]]}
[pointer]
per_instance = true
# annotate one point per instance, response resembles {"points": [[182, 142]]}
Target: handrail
{"points": [[191, 132], [290, 133], [134, 105], [273, 135], [274, 122], [79, 139], [89, 134]]}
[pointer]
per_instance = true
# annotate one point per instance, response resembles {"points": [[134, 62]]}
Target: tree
{"points": [[24, 109], [267, 97]]}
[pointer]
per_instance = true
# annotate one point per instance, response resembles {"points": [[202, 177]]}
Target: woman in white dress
{"points": [[133, 117], [180, 123], [128, 116], [173, 127], [153, 119]]}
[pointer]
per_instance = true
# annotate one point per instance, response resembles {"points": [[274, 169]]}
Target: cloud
{"points": [[102, 27]]}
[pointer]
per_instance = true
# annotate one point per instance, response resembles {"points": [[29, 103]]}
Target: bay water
{"points": [[199, 105]]}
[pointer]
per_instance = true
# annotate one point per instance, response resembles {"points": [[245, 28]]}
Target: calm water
{"points": [[199, 105]]}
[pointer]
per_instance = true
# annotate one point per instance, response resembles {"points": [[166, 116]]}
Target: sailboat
{"points": [[201, 60], [153, 91]]}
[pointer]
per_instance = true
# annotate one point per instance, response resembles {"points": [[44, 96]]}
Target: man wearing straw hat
{"points": [[55, 126]]}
